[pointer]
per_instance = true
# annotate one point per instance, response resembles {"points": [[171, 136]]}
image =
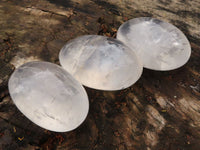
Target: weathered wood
{"points": [[161, 111]]}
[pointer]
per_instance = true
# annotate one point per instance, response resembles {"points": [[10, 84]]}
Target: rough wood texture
{"points": [[160, 112]]}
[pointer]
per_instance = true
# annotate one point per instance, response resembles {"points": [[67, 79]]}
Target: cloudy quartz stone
{"points": [[101, 62], [49, 96], [160, 45]]}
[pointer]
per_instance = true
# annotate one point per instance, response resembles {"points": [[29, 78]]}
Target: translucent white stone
{"points": [[49, 96], [160, 45], [101, 62]]}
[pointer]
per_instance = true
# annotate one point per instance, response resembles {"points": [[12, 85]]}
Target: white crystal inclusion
{"points": [[49, 96], [101, 62], [160, 45]]}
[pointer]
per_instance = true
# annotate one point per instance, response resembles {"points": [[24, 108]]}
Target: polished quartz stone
{"points": [[101, 62], [49, 96], [160, 45]]}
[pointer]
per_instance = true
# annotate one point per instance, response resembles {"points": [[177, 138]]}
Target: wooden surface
{"points": [[160, 112]]}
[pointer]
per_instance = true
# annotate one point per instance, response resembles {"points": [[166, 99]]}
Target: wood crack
{"points": [[62, 13]]}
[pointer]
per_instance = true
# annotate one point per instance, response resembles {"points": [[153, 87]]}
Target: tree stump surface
{"points": [[160, 112]]}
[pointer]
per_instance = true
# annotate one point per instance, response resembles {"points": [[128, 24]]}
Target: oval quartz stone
{"points": [[101, 62], [160, 45], [49, 96]]}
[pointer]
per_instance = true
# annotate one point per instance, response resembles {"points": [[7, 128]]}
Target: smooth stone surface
{"points": [[101, 62], [49, 96], [160, 45]]}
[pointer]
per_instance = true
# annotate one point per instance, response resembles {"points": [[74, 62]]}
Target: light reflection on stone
{"points": [[49, 96], [160, 45]]}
